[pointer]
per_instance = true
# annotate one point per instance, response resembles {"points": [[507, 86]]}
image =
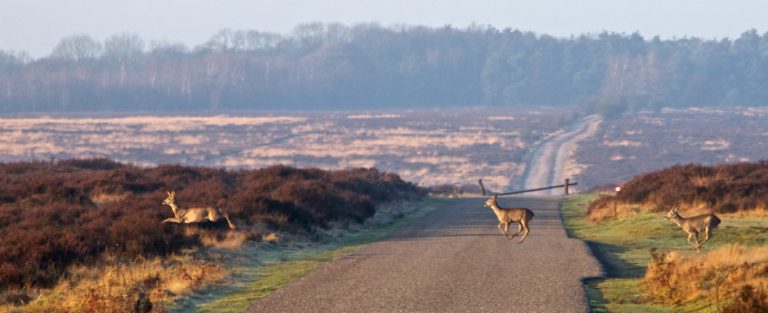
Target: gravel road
{"points": [[453, 259]]}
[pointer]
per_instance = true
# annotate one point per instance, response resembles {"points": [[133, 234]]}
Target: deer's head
{"points": [[491, 201], [171, 198], [673, 213]]}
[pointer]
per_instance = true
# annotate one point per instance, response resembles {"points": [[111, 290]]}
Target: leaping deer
{"points": [[694, 225], [193, 215], [512, 215]]}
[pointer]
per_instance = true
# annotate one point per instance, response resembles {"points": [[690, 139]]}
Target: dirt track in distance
{"points": [[454, 259], [552, 160]]}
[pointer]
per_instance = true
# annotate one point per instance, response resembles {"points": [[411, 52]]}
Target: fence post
{"points": [[567, 181], [482, 188]]}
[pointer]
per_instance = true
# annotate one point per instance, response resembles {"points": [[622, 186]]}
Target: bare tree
{"points": [[221, 41], [77, 48], [11, 60], [254, 40], [123, 47], [166, 49]]}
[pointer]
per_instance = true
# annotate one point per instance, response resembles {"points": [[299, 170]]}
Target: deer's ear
{"points": [[169, 193]]}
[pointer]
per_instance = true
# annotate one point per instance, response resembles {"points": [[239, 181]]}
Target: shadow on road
{"points": [[470, 218]]}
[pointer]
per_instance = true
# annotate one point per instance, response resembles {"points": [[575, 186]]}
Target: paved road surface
{"points": [[454, 259]]}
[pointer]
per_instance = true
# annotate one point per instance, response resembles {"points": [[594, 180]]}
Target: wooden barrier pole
{"points": [[537, 189], [482, 188], [566, 186]]}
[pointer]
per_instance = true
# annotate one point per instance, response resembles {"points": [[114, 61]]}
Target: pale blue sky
{"points": [[36, 26]]}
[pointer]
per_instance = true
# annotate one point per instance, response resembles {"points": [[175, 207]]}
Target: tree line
{"points": [[367, 66]]}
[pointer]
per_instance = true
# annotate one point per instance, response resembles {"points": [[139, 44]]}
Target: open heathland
{"points": [[58, 216], [429, 148], [634, 144], [651, 267], [643, 252], [725, 188]]}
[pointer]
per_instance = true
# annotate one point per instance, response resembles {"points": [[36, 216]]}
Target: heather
{"points": [[725, 188], [54, 215]]}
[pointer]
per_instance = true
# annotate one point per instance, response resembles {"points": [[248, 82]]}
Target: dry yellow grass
{"points": [[614, 210], [719, 274], [115, 286], [222, 240], [621, 210]]}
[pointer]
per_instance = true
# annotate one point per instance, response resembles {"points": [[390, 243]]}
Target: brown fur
{"points": [[194, 215], [694, 225], [511, 215]]}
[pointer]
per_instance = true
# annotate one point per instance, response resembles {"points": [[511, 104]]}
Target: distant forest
{"points": [[367, 66]]}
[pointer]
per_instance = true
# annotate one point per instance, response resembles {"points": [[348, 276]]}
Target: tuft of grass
{"points": [[715, 275], [623, 247], [115, 286]]}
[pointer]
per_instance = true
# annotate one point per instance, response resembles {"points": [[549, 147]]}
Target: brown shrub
{"points": [[720, 274], [49, 221], [726, 188], [748, 300]]}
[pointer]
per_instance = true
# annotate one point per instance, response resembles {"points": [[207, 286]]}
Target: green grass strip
{"points": [[623, 247]]}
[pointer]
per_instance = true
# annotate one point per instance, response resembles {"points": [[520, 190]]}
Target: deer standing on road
{"points": [[511, 215], [694, 225], [193, 215]]}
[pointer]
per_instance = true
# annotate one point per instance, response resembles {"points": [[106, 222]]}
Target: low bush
{"points": [[749, 300], [54, 215], [726, 188], [716, 275]]}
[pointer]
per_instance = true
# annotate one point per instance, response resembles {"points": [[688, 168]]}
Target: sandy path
{"points": [[552, 161]]}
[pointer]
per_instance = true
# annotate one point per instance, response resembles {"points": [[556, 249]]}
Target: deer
{"points": [[193, 215], [511, 215], [694, 225]]}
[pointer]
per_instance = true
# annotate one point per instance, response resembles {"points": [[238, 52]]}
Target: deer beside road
{"points": [[694, 225]]}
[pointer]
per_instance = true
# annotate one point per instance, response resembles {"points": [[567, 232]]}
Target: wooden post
{"points": [[482, 188], [567, 181]]}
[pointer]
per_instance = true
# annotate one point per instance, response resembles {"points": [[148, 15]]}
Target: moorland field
{"points": [[89, 203], [429, 148], [96, 213], [649, 265], [634, 144]]}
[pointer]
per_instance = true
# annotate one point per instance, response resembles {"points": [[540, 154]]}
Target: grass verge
{"points": [[623, 247], [288, 266]]}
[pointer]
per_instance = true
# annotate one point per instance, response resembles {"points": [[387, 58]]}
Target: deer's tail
{"points": [[715, 221]]}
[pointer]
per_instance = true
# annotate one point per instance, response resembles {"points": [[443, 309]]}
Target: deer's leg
{"points": [[502, 230], [172, 220], [506, 230], [697, 245], [229, 222], [520, 227], [707, 235], [513, 235], [690, 236], [524, 226]]}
